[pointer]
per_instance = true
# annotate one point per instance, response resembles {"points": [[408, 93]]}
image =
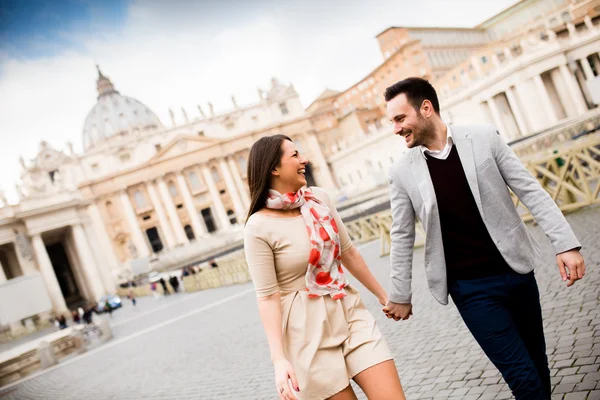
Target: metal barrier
{"points": [[569, 173]]}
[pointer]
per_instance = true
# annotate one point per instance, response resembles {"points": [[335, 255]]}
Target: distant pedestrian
{"points": [[163, 283], [108, 308], [154, 291], [76, 317], [131, 293], [174, 283]]}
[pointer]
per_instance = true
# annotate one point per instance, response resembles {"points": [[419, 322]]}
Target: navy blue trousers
{"points": [[504, 315]]}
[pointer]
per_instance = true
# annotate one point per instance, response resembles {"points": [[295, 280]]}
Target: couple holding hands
{"points": [[455, 179]]}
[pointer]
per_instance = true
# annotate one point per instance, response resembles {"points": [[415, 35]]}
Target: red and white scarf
{"points": [[324, 275]]}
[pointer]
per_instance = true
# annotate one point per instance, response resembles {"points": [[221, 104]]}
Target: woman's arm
{"points": [[355, 264], [269, 308]]}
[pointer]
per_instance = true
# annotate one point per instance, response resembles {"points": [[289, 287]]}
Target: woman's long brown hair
{"points": [[265, 155]]}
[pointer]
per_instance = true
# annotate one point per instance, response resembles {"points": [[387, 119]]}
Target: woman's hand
{"points": [[383, 298], [283, 372]]}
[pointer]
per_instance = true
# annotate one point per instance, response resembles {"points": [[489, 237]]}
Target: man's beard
{"points": [[422, 132]]}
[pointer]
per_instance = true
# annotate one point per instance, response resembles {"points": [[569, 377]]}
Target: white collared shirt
{"points": [[443, 153]]}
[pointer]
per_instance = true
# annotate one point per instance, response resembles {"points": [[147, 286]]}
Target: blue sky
{"points": [[181, 53], [33, 29]]}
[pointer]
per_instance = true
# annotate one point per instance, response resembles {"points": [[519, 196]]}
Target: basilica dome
{"points": [[115, 114]]}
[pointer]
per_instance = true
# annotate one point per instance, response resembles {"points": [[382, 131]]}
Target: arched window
{"points": [[172, 189], [194, 181], [215, 174], [140, 200]]}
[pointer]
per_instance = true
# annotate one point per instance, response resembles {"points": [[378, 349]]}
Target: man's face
{"points": [[408, 122]]}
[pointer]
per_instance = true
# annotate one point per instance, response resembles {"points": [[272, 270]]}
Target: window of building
{"points": [[139, 199], [359, 175], [484, 59], [200, 133], [230, 125], [215, 174], [125, 157], [95, 167], [283, 108], [172, 189], [194, 181], [157, 147], [53, 174], [231, 216], [189, 232]]}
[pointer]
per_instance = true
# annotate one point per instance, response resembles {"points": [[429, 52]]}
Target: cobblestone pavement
{"points": [[210, 345]]}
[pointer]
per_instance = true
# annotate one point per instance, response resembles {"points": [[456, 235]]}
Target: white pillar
{"points": [[104, 242], [100, 258], [573, 88], [180, 235], [587, 68], [498, 119], [160, 213], [216, 199], [47, 272], [137, 237], [545, 99], [90, 269], [2, 274], [197, 225], [516, 110], [239, 182], [325, 179], [240, 210], [588, 23]]}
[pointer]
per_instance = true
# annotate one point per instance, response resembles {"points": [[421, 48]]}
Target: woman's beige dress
{"points": [[327, 341]]}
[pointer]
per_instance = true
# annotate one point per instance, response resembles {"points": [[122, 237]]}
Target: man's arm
{"points": [[532, 194], [543, 208], [403, 242]]}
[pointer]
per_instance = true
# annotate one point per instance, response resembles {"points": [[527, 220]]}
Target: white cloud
{"points": [[173, 54]]}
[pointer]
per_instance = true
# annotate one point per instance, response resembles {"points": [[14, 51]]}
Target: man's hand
{"points": [[397, 311], [575, 266]]}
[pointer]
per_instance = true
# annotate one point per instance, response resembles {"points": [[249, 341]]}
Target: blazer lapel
{"points": [[463, 144], [423, 180]]}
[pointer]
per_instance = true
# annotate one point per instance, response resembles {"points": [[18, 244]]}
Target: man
{"points": [[478, 250]]}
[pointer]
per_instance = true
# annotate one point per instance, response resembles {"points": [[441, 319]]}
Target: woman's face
{"points": [[292, 168]]}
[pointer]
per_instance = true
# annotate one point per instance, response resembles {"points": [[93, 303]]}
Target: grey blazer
{"points": [[490, 166]]}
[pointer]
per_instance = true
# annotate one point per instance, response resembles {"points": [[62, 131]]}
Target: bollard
{"points": [[78, 342], [105, 330], [46, 354]]}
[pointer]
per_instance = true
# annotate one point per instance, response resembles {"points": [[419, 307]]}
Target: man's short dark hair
{"points": [[416, 90]]}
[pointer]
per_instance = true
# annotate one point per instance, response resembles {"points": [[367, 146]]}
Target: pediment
{"points": [[183, 145]]}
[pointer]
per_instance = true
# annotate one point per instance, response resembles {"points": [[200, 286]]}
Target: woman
{"points": [[319, 332]]}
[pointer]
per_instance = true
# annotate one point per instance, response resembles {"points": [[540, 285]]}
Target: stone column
{"points": [[240, 210], [197, 225], [237, 177], [137, 237], [160, 213], [588, 23], [511, 96], [104, 241], [101, 257], [498, 119], [90, 269], [180, 236], [573, 88], [47, 272], [216, 199], [325, 178], [587, 68], [2, 274], [545, 99]]}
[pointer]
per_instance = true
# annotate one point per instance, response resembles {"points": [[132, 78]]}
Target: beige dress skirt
{"points": [[327, 341]]}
